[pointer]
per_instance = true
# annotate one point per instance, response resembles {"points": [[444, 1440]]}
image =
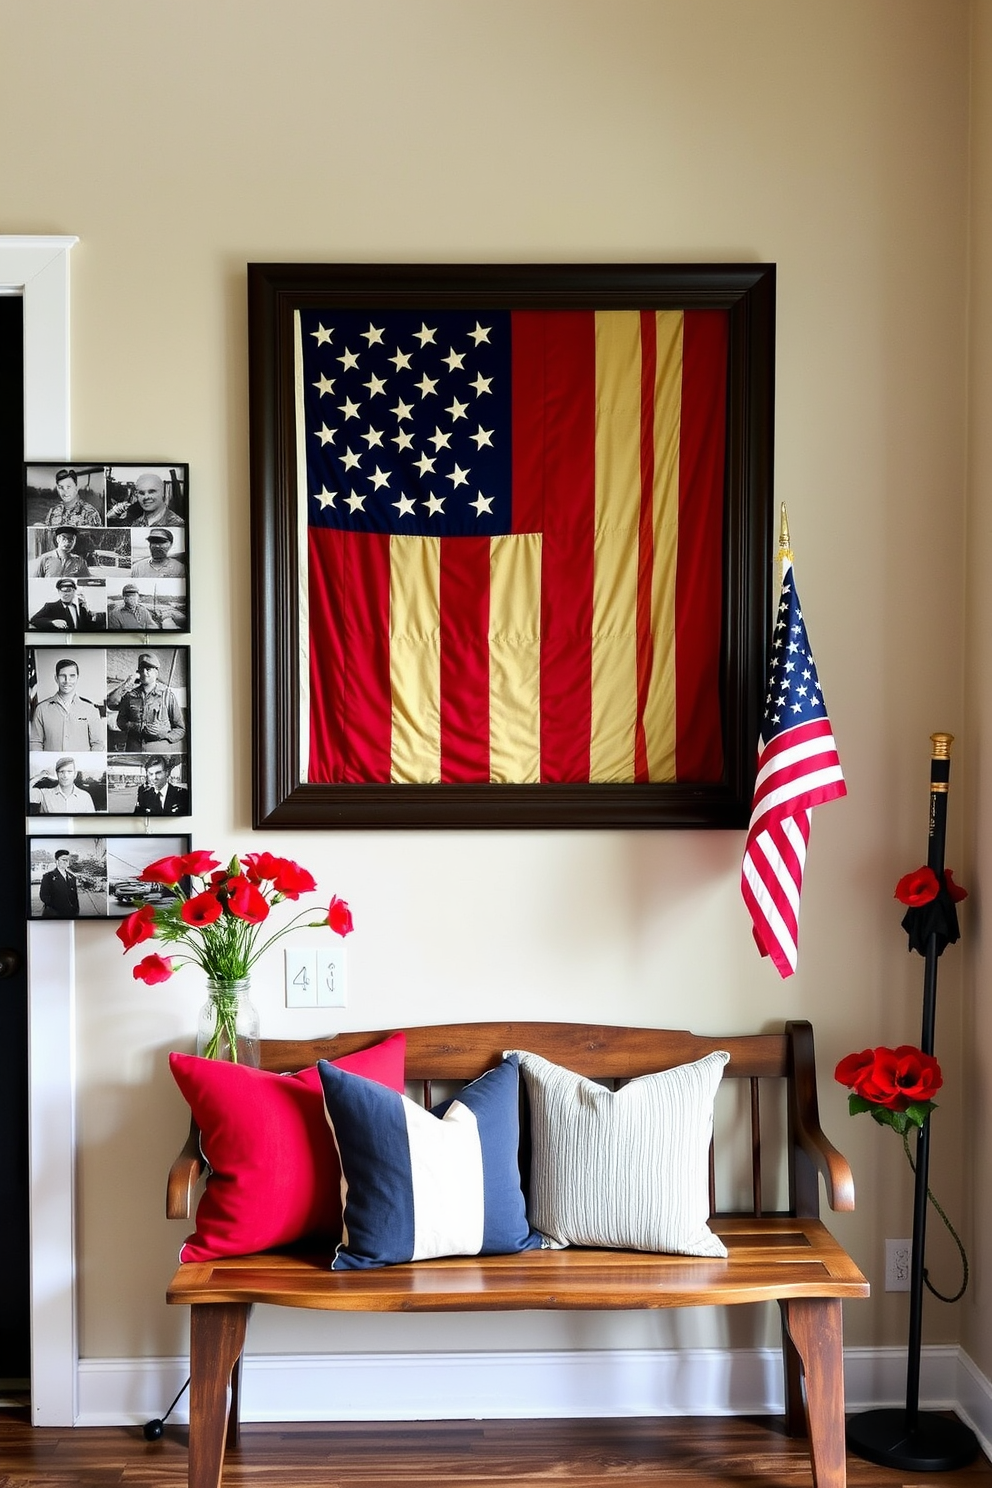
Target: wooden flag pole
{"points": [[911, 1439]]}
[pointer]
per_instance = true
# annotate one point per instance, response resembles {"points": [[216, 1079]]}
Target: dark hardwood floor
{"points": [[677, 1453]]}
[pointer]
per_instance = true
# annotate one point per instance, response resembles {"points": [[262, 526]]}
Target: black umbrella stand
{"points": [[908, 1438]]}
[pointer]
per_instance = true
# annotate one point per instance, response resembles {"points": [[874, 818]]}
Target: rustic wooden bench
{"points": [[785, 1256]]}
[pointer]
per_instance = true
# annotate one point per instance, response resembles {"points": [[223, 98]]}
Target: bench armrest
{"points": [[184, 1175], [834, 1167], [807, 1135]]}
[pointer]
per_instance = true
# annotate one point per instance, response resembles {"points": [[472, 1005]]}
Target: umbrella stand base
{"points": [[934, 1443]]}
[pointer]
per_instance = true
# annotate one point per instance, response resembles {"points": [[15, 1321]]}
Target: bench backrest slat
{"points": [[463, 1051], [755, 1148], [459, 1052]]}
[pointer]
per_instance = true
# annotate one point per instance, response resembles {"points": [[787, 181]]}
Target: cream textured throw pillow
{"points": [[629, 1168]]}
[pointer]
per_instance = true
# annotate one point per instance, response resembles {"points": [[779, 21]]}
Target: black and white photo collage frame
{"points": [[108, 731], [96, 878], [107, 547]]}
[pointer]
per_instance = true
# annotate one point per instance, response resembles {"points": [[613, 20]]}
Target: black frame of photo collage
{"points": [[117, 532], [102, 882]]}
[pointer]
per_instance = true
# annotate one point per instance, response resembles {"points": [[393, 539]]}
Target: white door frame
{"points": [[37, 269]]}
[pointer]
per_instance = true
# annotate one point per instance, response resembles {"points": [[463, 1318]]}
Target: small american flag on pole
{"points": [[798, 768]]}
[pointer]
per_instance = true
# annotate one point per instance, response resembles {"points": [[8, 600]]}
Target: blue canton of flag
{"points": [[794, 692], [407, 421]]}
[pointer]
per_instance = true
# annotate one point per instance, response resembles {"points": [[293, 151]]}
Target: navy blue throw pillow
{"points": [[418, 1184]]}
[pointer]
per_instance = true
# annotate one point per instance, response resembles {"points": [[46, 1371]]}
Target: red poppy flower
{"points": [[202, 909], [339, 917], [852, 1070], [956, 892], [917, 1074], [900, 1077], [879, 1085], [260, 867], [245, 900], [291, 881], [164, 871], [918, 887], [137, 927], [198, 862], [153, 969]]}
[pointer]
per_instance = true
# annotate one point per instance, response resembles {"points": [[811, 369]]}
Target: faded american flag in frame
{"points": [[512, 533]]}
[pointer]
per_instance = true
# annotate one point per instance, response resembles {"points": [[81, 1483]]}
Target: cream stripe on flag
{"points": [[798, 768]]}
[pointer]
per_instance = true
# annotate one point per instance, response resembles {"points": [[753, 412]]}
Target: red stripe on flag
{"points": [[465, 660], [802, 733], [774, 776], [350, 703], [326, 588], [645, 538], [529, 355], [804, 795], [554, 491], [772, 877], [368, 694], [698, 598]]}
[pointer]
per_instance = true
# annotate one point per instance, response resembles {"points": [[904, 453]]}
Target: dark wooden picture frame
{"points": [[275, 293]]}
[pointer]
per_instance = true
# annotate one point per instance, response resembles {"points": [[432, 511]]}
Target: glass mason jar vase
{"points": [[228, 1024]]}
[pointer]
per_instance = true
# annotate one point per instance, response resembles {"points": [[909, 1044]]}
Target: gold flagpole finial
{"points": [[784, 554], [941, 745]]}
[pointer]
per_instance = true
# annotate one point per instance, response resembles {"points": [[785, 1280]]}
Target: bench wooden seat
{"points": [[787, 1257]]}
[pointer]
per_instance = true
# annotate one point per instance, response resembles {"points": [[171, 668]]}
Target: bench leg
{"points": [[795, 1410], [233, 1438], [217, 1336], [814, 1325]]}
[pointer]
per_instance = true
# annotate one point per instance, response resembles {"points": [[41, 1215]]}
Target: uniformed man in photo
{"points": [[63, 799], [71, 510], [131, 614], [58, 890], [63, 558], [160, 564], [69, 612], [148, 712], [65, 720]]}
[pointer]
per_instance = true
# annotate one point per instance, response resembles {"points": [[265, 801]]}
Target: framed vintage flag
{"points": [[511, 542]]}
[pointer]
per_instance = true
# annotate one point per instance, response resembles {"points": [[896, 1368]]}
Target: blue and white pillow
{"points": [[417, 1184]]}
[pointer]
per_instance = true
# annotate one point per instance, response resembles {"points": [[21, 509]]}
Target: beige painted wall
{"points": [[181, 141], [977, 1316]]}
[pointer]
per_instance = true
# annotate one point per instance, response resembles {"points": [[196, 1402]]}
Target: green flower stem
{"points": [[953, 1234], [225, 1003]]}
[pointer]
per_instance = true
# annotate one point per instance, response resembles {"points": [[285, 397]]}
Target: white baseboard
{"points": [[527, 1385], [877, 1377], [974, 1401]]}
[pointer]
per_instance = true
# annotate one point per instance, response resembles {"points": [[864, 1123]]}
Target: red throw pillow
{"points": [[275, 1174]]}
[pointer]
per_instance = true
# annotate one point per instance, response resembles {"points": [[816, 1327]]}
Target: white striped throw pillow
{"points": [[627, 1169]]}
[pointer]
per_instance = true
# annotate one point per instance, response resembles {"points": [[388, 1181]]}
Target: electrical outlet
{"points": [[301, 977], [331, 990], [898, 1259]]}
